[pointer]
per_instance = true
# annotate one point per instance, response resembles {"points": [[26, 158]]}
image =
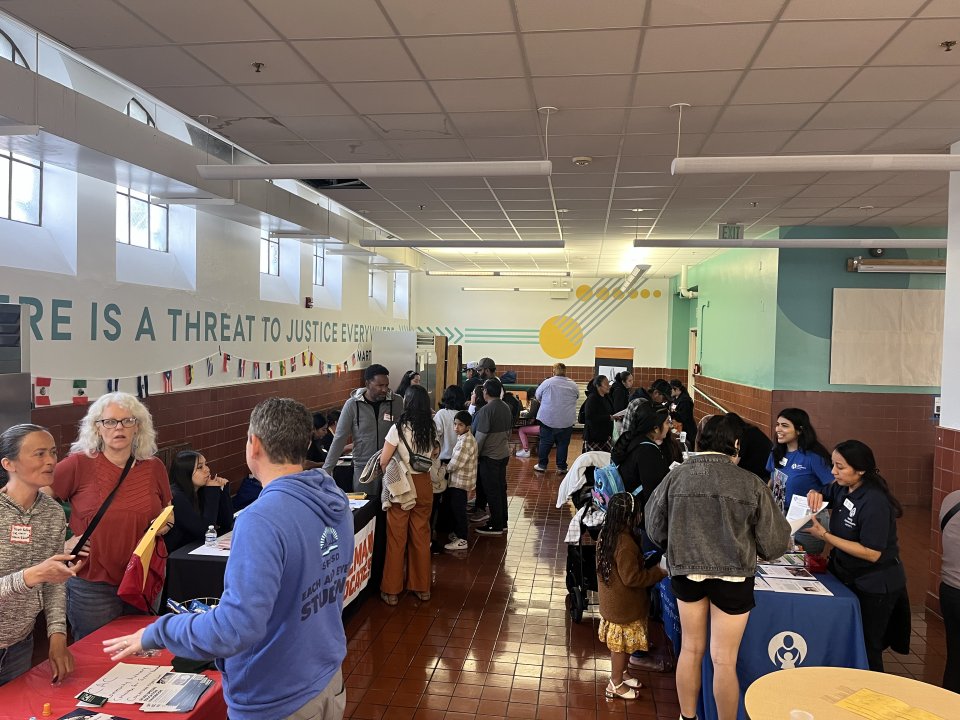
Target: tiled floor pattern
{"points": [[496, 640]]}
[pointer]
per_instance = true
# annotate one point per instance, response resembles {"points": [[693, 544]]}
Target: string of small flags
{"points": [[241, 368]]}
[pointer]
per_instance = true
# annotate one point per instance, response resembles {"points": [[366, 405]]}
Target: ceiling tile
{"points": [[413, 126], [482, 124], [850, 42], [584, 145], [651, 144], [505, 148], [329, 127], [919, 44], [791, 85], [388, 97], [90, 24], [356, 150], [233, 61], [714, 47], [829, 141], [357, 60], [590, 52], [941, 8], [448, 17], [297, 99], [664, 119], [699, 88], [572, 14], [189, 21], [687, 12], [287, 152], [437, 149], [609, 91], [152, 67], [219, 100], [482, 95], [899, 83], [942, 114], [840, 115], [253, 129], [746, 118], [324, 18], [822, 9], [467, 56]]}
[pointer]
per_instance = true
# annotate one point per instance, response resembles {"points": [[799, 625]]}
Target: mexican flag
{"points": [[41, 391], [80, 396]]}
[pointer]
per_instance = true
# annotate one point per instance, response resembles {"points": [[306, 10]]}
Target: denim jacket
{"points": [[714, 518]]}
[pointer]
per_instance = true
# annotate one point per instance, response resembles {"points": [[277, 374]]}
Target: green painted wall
{"points": [[682, 317], [736, 313]]}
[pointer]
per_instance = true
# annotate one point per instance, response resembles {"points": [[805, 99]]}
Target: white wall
{"points": [[507, 325], [950, 380]]}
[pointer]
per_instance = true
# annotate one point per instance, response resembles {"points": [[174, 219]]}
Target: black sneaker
{"points": [[562, 471], [490, 530]]}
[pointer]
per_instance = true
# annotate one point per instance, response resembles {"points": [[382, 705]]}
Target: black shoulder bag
{"points": [[949, 516], [418, 463], [103, 508]]}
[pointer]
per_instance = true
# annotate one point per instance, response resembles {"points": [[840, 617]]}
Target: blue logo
{"points": [[329, 541]]}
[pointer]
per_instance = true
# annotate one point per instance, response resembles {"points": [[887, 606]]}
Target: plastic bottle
{"points": [[210, 537]]}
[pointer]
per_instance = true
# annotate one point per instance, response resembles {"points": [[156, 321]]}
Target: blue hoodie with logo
{"points": [[278, 626]]}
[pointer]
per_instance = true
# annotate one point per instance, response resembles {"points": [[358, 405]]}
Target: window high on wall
{"points": [[318, 265], [9, 51], [141, 222], [21, 188], [269, 255], [138, 112]]}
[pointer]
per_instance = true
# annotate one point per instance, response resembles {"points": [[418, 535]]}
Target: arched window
{"points": [[138, 112], [9, 51]]}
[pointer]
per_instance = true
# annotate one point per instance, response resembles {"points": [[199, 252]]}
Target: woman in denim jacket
{"points": [[714, 519]]}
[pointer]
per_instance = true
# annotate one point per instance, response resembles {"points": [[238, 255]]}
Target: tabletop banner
{"points": [[362, 562]]}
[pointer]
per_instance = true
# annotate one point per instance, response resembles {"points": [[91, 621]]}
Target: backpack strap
{"points": [[949, 516]]}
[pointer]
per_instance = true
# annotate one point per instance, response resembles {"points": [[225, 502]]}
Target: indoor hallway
{"points": [[496, 639]]}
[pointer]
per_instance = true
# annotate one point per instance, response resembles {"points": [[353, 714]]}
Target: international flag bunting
{"points": [[303, 358], [345, 368], [338, 368], [256, 371], [113, 385], [353, 359], [241, 367], [143, 386], [168, 380], [283, 368], [311, 359], [209, 367], [80, 392], [293, 364], [269, 372], [226, 362], [41, 391], [188, 374]]}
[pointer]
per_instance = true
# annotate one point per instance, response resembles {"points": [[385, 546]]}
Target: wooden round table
{"points": [[818, 689]]}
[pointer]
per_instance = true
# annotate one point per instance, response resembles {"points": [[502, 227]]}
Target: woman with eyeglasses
{"points": [[117, 429]]}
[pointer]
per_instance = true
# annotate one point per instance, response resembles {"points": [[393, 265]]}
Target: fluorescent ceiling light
{"points": [[299, 234], [842, 243], [16, 130], [633, 276], [815, 163], [459, 273], [307, 171], [880, 265], [163, 200], [515, 289], [498, 273], [529, 273], [348, 250], [471, 244]]}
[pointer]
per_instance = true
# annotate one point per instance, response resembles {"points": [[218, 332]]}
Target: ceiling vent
{"points": [[322, 184]]}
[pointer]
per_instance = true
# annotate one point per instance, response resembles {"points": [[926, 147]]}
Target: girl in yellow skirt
{"points": [[623, 582]]}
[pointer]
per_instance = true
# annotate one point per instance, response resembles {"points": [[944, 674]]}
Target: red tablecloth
{"points": [[25, 696]]}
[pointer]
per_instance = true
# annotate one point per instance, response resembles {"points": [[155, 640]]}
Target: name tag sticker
{"points": [[21, 534], [783, 462], [848, 505]]}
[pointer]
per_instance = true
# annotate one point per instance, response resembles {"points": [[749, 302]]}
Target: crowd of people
{"points": [[710, 501]]}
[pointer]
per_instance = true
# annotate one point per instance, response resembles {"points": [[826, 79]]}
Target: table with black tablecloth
{"points": [[201, 576], [784, 630]]}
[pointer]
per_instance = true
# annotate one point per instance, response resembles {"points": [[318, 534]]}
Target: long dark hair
{"points": [[677, 385], [860, 457], [181, 475], [621, 377], [806, 435], [11, 441], [622, 516], [416, 414], [453, 398], [405, 381]]}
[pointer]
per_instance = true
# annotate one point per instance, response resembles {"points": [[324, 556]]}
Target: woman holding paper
{"points": [[199, 500], [863, 534], [116, 432], [33, 567]]}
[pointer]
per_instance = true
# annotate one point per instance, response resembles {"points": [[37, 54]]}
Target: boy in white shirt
{"points": [[462, 475]]}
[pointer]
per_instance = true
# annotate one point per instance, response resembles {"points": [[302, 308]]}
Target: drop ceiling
{"points": [[371, 80]]}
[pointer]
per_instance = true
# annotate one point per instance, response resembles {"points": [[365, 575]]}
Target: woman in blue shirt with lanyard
{"points": [[865, 554], [797, 465]]}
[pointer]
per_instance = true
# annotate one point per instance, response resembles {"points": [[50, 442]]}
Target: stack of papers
{"points": [[788, 559], [788, 579], [154, 688]]}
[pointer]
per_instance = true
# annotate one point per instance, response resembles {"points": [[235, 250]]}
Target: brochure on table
{"points": [[154, 688]]}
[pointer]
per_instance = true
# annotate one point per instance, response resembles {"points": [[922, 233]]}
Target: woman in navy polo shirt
{"points": [[797, 465], [863, 533]]}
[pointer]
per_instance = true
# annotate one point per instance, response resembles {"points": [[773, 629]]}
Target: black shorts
{"points": [[733, 598]]}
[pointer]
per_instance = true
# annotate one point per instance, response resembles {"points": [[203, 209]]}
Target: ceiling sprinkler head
{"points": [[257, 66], [947, 45], [582, 160]]}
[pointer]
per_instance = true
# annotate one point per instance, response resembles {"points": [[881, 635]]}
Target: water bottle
{"points": [[210, 537]]}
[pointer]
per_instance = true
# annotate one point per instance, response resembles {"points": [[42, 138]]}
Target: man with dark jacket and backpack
{"points": [[366, 417]]}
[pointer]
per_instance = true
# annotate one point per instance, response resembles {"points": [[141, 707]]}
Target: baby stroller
{"points": [[581, 575]]}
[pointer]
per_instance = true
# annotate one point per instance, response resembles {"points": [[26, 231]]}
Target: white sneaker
{"points": [[456, 544], [523, 453]]}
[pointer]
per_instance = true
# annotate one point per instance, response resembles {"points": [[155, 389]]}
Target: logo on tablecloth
{"points": [[787, 650]]}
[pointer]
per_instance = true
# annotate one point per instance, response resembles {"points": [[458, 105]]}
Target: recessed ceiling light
{"points": [[638, 209], [865, 207], [563, 210]]}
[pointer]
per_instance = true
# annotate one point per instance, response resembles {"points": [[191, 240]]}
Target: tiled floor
{"points": [[496, 639]]}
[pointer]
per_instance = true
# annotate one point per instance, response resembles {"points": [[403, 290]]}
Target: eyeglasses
{"points": [[111, 423]]}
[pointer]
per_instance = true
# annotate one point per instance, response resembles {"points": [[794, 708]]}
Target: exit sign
{"points": [[730, 231]]}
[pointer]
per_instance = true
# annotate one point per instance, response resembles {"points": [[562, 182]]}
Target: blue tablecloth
{"points": [[784, 630]]}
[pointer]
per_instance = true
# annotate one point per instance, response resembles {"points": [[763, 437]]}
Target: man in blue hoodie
{"points": [[277, 633]]}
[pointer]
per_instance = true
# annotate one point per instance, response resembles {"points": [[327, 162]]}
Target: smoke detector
{"points": [[582, 160]]}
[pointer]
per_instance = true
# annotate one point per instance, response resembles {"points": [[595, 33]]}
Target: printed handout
{"points": [[787, 572], [798, 514], [802, 587]]}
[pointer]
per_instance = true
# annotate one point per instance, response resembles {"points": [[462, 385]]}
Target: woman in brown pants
{"points": [[408, 531]]}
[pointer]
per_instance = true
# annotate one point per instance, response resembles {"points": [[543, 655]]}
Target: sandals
{"points": [[422, 596], [632, 682], [622, 691], [389, 599]]}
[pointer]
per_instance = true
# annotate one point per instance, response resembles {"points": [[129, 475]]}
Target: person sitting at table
{"points": [[408, 531], [199, 500], [33, 566], [714, 519], [277, 633], [317, 452], [798, 463], [117, 431], [865, 555]]}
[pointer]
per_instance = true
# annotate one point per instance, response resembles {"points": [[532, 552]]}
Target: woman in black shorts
{"points": [[714, 519]]}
